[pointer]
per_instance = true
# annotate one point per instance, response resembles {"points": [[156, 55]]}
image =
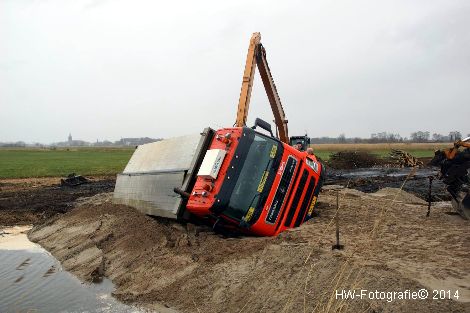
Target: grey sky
{"points": [[110, 69]]}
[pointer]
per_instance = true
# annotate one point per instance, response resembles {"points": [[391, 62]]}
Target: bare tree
{"points": [[342, 138], [420, 136], [455, 135], [439, 137]]}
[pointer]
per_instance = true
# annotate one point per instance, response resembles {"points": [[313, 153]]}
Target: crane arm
{"points": [[257, 57], [247, 82], [273, 96], [452, 152], [464, 144]]}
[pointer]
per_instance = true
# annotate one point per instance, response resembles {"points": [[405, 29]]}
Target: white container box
{"points": [[211, 164]]}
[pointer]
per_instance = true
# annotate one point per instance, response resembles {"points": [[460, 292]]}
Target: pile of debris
{"points": [[353, 159], [73, 180], [404, 159]]}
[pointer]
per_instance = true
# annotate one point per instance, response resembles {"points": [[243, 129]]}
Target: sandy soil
{"points": [[15, 238], [389, 246]]}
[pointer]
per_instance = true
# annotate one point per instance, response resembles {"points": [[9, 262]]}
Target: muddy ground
{"points": [[389, 246], [32, 200], [372, 179]]}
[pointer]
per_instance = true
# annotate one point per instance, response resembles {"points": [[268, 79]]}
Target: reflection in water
{"points": [[31, 280], [380, 171]]}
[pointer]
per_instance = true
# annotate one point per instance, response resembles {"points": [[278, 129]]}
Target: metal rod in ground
{"points": [[429, 195], [337, 246], [337, 218]]}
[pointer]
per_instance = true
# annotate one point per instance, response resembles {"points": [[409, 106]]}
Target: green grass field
{"points": [[22, 163]]}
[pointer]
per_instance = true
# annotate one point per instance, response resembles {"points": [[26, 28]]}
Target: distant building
{"points": [[71, 143], [135, 141], [18, 144], [105, 143], [131, 142]]}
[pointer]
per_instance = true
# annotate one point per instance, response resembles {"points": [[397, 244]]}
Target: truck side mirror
{"points": [[264, 125]]}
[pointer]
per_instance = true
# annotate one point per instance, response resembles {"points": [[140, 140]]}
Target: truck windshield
{"points": [[255, 179]]}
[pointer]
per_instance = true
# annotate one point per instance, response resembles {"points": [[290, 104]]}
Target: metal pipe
{"points": [[337, 246], [182, 193]]}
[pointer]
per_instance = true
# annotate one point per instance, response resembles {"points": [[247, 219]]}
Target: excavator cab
{"points": [[301, 142], [455, 173]]}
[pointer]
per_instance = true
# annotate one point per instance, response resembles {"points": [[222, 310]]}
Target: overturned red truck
{"points": [[237, 179], [255, 183]]}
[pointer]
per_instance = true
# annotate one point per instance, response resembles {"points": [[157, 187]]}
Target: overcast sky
{"points": [[110, 69]]}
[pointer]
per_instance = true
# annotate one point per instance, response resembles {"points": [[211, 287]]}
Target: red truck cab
{"points": [[255, 183]]}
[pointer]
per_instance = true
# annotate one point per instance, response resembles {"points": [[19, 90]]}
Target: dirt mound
{"points": [[353, 159], [189, 268], [398, 195]]}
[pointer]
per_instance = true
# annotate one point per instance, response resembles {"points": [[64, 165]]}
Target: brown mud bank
{"points": [[390, 246], [31, 200]]}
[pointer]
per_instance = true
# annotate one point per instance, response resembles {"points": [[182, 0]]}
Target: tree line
{"points": [[386, 137]]}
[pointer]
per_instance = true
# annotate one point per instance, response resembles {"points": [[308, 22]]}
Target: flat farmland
{"points": [[22, 163], [28, 162]]}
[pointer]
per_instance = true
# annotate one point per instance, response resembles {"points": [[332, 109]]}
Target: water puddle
{"points": [[32, 280], [386, 172]]}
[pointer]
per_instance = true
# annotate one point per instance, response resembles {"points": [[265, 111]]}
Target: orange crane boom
{"points": [[257, 57], [452, 152]]}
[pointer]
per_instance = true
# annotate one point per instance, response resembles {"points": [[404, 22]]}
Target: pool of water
{"points": [[386, 172], [32, 280]]}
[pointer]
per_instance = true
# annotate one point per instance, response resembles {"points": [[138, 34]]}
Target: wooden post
{"points": [[337, 246]]}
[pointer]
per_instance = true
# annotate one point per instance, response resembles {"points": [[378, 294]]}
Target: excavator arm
{"points": [[257, 57], [452, 152]]}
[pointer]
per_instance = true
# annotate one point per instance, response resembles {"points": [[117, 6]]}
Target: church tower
{"points": [[70, 139]]}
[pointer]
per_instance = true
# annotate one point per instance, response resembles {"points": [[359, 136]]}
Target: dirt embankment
{"points": [[32, 200], [353, 159], [389, 246]]}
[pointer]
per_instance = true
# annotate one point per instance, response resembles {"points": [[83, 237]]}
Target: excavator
{"points": [[238, 179], [455, 173]]}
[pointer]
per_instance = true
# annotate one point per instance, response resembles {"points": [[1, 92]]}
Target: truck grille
{"points": [[295, 201], [281, 191], [305, 202]]}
